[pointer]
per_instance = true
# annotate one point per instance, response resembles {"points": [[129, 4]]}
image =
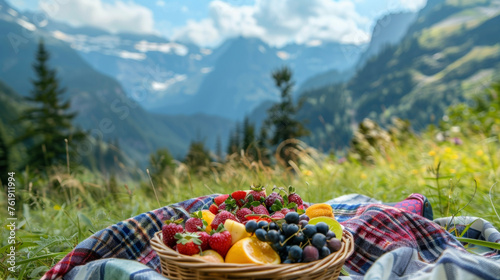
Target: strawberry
{"points": [[278, 216], [257, 193], [169, 230], [272, 198], [241, 213], [188, 243], [221, 218], [285, 211], [239, 196], [293, 197], [214, 209], [261, 209], [222, 206], [195, 223], [220, 241], [221, 198], [204, 237]]}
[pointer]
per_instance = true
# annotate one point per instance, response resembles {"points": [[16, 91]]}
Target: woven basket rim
{"points": [[172, 257]]}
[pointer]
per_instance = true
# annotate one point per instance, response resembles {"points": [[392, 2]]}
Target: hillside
{"points": [[451, 51]]}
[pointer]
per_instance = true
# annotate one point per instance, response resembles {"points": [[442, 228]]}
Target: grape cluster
{"points": [[294, 239]]}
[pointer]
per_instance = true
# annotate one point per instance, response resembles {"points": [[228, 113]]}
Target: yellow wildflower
{"points": [[432, 153], [363, 176], [57, 207], [479, 153]]}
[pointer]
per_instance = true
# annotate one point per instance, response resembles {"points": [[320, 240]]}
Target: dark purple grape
{"points": [[329, 235], [323, 252], [298, 239], [304, 217], [309, 230], [251, 226], [273, 225], [262, 224], [318, 240], [291, 229], [322, 227], [284, 226], [272, 236], [287, 261], [303, 223], [295, 253], [334, 245], [261, 234], [292, 218], [310, 254]]}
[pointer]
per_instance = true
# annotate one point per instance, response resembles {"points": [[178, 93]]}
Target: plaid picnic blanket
{"points": [[394, 241]]}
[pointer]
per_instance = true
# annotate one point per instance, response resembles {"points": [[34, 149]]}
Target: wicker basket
{"points": [[181, 267]]}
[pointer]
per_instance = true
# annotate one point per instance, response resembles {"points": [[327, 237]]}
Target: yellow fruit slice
{"points": [[252, 250], [332, 223], [319, 210], [210, 256], [236, 229], [208, 217]]}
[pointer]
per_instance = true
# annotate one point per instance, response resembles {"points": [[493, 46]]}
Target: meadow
{"points": [[57, 211]]}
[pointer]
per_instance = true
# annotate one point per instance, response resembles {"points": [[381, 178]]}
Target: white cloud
{"points": [[115, 17], [279, 22], [411, 5], [160, 3]]}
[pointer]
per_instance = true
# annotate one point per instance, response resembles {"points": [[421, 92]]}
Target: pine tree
{"points": [[218, 149], [49, 118], [281, 116], [198, 155], [249, 142]]}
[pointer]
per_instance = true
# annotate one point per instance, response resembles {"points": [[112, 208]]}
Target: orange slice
{"points": [[252, 250], [319, 210]]}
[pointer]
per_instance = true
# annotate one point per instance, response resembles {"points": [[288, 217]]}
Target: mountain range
{"points": [[160, 93]]}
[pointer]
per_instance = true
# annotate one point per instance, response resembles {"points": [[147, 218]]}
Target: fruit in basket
{"points": [[319, 210], [261, 209], [271, 199], [214, 209], [210, 256], [188, 243], [252, 250], [220, 199], [241, 213], [310, 254], [208, 217], [257, 193], [334, 244], [239, 197], [221, 218], [195, 223], [220, 241], [169, 230], [205, 239], [333, 225], [236, 229]]}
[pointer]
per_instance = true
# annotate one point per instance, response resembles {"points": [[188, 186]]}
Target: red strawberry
{"points": [[220, 241], [188, 243], [272, 198], [221, 198], [261, 209], [195, 223], [257, 193], [214, 209], [278, 216], [204, 237], [285, 211], [293, 197], [221, 218], [241, 213], [169, 230], [239, 196], [222, 206]]}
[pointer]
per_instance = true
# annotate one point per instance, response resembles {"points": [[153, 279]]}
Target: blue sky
{"points": [[208, 23]]}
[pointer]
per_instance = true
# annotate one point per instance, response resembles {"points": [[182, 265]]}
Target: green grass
{"points": [[58, 211]]}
